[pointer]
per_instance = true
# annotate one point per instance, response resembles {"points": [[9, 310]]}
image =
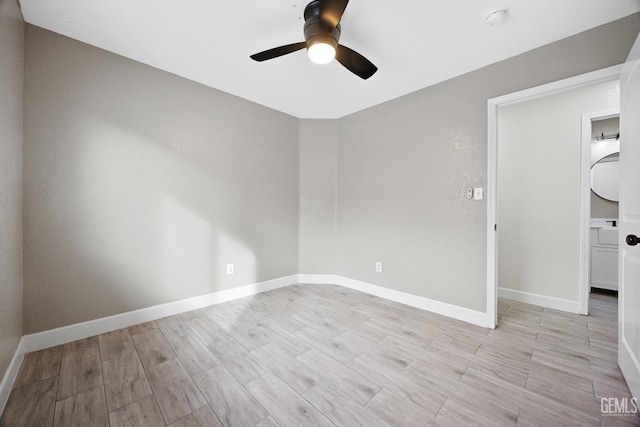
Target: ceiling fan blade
{"points": [[331, 11], [356, 63], [278, 51]]}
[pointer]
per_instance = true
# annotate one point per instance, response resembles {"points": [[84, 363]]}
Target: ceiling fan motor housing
{"points": [[314, 29], [322, 33]]}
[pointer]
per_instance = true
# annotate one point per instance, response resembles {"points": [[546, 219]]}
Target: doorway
{"points": [[493, 222], [599, 258]]}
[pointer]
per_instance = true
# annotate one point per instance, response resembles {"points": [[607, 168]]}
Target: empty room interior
{"points": [[319, 213]]}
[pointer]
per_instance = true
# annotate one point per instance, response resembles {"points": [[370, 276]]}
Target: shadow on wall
{"points": [[164, 218], [142, 186]]}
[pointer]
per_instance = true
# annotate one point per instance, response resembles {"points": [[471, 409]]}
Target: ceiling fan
{"points": [[322, 32]]}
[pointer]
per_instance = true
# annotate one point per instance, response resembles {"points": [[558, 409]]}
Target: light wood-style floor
{"points": [[315, 355]]}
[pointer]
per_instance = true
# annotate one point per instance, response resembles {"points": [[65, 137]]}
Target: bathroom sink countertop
{"points": [[604, 223]]}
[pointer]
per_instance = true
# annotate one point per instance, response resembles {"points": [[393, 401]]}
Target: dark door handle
{"points": [[632, 240]]}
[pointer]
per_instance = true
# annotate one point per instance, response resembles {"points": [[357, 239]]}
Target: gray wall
{"points": [[140, 186], [318, 196], [404, 166], [539, 189], [11, 103]]}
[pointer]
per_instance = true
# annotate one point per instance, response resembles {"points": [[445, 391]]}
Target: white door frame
{"points": [[600, 76], [585, 202]]}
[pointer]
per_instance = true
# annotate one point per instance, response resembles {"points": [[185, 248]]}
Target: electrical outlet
{"points": [[469, 193], [230, 268], [378, 267]]}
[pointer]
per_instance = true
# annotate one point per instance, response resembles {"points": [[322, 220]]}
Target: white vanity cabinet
{"points": [[604, 257]]}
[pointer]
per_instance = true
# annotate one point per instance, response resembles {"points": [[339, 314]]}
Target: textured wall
{"points": [[601, 208], [318, 194], [539, 189], [404, 167], [140, 186], [11, 66]]}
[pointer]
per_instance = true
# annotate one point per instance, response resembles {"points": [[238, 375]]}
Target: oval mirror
{"points": [[605, 177]]}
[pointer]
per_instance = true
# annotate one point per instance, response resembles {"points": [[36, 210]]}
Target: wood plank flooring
{"points": [[316, 355]]}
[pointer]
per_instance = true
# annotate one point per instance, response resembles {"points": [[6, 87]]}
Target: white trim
{"points": [[454, 311], [53, 337], [319, 279], [11, 374], [492, 213], [65, 334], [564, 85], [540, 300], [599, 76], [461, 313], [585, 202]]}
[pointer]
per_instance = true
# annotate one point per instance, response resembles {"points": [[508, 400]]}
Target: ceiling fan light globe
{"points": [[321, 53]]}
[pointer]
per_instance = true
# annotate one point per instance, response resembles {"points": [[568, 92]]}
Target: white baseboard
{"points": [[11, 374], [65, 334], [319, 279], [461, 313], [466, 315], [541, 300]]}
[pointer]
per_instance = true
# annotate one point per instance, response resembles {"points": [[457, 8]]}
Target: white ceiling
{"points": [[414, 43]]}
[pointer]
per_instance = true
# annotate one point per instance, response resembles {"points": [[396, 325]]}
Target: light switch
{"points": [[477, 193]]}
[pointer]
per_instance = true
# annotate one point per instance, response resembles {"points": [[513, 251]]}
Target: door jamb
{"points": [[493, 104], [585, 202]]}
